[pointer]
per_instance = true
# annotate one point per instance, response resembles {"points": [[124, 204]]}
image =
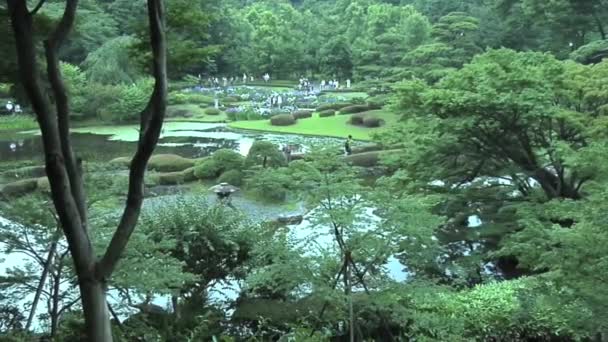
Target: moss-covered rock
{"points": [[282, 120], [121, 162], [20, 188], [327, 113], [169, 163], [212, 111], [366, 159], [42, 184], [302, 114], [232, 177]]}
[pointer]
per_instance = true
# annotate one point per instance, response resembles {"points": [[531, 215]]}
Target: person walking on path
{"points": [[348, 145]]}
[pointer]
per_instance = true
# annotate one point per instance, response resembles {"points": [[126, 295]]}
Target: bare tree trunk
{"points": [[95, 307], [45, 272]]}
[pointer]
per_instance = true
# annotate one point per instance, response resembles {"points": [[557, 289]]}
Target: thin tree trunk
{"points": [[600, 26], [45, 272], [95, 308], [56, 294]]}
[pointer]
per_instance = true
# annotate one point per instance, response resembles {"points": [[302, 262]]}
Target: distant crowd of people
{"points": [[12, 108]]}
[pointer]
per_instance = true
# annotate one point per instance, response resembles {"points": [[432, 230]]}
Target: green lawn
{"points": [[347, 95], [335, 126], [17, 123], [198, 114]]}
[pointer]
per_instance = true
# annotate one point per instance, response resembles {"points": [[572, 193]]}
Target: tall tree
{"points": [[64, 170]]}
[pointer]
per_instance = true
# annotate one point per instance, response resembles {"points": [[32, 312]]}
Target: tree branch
{"points": [[37, 8], [151, 119]]}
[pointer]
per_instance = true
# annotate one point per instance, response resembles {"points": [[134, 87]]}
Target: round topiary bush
{"points": [[327, 113], [372, 121], [354, 109], [302, 114], [232, 177], [169, 163], [282, 120], [212, 111], [207, 169], [357, 119]]}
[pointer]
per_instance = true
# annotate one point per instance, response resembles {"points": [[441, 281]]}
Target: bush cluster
{"points": [[302, 114]]}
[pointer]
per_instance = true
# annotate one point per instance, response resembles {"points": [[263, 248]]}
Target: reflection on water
{"points": [[191, 143]]}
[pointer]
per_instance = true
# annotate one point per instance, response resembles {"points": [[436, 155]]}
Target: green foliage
{"points": [[111, 62], [207, 169], [282, 120], [593, 52], [270, 184], [372, 121], [333, 106], [132, 100], [265, 153], [232, 177], [179, 97], [227, 159]]}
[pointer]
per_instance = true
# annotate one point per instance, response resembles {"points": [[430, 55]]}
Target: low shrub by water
{"points": [[208, 169], [232, 177], [212, 111], [357, 119], [169, 163], [282, 120]]}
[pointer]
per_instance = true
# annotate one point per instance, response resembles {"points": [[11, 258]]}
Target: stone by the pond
{"points": [[290, 219], [42, 184], [19, 188], [26, 172]]}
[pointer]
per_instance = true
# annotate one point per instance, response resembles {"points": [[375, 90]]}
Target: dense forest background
{"points": [[494, 196]]}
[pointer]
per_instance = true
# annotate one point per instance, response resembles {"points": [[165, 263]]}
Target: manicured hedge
{"points": [[302, 114], [334, 106], [357, 119], [327, 113], [207, 169], [372, 121], [355, 109], [282, 120], [169, 163]]}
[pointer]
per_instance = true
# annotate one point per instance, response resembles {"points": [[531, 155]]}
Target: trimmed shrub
{"points": [[327, 113], [357, 119], [42, 184], [232, 99], [170, 178], [282, 120], [212, 111], [334, 106], [20, 188], [228, 160], [301, 114], [372, 121], [172, 112], [354, 109], [189, 174], [169, 163], [232, 177], [188, 98], [207, 169]]}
